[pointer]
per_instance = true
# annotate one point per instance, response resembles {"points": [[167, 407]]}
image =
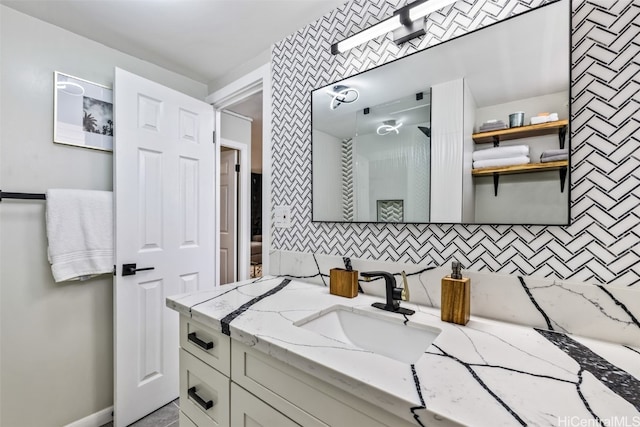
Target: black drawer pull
{"points": [[197, 341], [200, 401]]}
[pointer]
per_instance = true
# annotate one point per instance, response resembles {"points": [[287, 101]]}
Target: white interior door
{"points": [[228, 216], [164, 186]]}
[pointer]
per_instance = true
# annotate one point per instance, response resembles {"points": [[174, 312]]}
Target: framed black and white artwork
{"points": [[83, 113]]}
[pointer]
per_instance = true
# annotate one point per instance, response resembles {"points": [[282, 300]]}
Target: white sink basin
{"points": [[386, 336]]}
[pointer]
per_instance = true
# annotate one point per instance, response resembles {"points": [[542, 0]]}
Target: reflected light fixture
{"points": [[388, 126], [406, 23], [70, 88], [342, 95]]}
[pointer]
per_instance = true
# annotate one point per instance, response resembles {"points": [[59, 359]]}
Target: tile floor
{"points": [[167, 416]]}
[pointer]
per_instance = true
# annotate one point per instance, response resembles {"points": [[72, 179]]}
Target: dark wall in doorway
{"points": [[256, 204]]}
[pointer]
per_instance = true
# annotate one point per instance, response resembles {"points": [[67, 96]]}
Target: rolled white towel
{"points": [[553, 153], [501, 152], [554, 158], [509, 161], [492, 125]]}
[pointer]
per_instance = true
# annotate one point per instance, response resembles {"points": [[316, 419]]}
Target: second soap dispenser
{"points": [[455, 300]]}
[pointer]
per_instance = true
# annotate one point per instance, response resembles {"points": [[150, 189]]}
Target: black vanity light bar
{"points": [[406, 24]]}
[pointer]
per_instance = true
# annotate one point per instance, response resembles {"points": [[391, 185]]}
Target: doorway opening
{"points": [[250, 108], [256, 225], [249, 98], [228, 190]]}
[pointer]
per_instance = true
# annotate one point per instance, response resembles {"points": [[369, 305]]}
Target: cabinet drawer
{"points": [[249, 411], [204, 392], [302, 397], [212, 347], [184, 421]]}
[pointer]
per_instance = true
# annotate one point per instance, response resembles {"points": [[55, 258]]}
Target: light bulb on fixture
{"points": [[364, 36], [406, 23], [342, 95], [388, 126]]}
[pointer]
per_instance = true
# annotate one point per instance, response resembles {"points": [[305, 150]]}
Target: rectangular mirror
{"points": [[473, 130]]}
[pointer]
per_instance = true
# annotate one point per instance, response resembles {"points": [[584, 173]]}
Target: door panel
{"points": [[228, 216], [164, 182], [188, 202], [150, 199], [150, 337]]}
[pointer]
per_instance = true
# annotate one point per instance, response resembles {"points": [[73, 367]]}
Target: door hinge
{"points": [[214, 136], [237, 168]]}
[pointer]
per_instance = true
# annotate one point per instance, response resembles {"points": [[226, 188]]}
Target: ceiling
{"points": [[200, 39], [250, 106]]}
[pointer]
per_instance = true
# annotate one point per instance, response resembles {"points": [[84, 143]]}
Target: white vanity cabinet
{"points": [[204, 392], [226, 383], [249, 411], [205, 366], [208, 398]]}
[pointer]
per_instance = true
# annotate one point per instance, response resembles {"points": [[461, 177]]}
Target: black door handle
{"points": [[200, 343], [205, 404], [130, 269]]}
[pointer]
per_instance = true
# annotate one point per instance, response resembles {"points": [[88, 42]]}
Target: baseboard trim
{"points": [[98, 419]]}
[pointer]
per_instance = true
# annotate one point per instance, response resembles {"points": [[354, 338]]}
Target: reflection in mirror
{"points": [[390, 155], [397, 143]]}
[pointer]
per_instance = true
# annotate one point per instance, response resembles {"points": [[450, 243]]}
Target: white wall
{"points": [[446, 151], [551, 103], [532, 198], [235, 129], [387, 181], [257, 61], [418, 177], [468, 187], [380, 171], [361, 192], [327, 177], [256, 145], [392, 167], [56, 340]]}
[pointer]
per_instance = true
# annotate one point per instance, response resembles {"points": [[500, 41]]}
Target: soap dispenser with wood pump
{"points": [[455, 300]]}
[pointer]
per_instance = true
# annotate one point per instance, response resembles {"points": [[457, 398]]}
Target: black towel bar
{"points": [[23, 196]]}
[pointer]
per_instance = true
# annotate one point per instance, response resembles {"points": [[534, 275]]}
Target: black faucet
{"points": [[394, 294]]}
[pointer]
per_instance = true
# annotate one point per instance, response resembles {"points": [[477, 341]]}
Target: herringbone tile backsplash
{"points": [[602, 244]]}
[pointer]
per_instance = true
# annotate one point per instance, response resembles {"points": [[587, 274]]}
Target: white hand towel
{"points": [[493, 163], [501, 152], [80, 233]]}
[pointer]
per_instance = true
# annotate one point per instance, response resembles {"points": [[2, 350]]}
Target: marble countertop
{"points": [[486, 373]]}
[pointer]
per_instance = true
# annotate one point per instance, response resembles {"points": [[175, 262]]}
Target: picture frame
{"points": [[83, 113]]}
